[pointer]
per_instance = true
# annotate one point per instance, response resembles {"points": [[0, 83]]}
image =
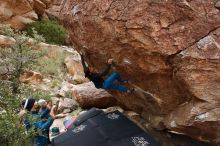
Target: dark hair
{"points": [[30, 103]]}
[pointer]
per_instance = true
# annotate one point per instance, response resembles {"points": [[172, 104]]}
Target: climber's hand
{"points": [[49, 105], [82, 52], [110, 61]]}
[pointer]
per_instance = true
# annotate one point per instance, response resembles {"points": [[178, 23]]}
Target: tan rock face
{"points": [[39, 6], [169, 49], [75, 69], [12, 12], [18, 13], [55, 8], [72, 62], [88, 96]]}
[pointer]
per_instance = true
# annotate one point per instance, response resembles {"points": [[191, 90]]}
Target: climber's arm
{"points": [[47, 124], [45, 113], [85, 68], [106, 69]]}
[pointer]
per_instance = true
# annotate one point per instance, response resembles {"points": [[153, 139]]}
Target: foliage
{"points": [[12, 132], [68, 94], [20, 56], [38, 94], [15, 60], [76, 112], [51, 30], [55, 83], [53, 66]]}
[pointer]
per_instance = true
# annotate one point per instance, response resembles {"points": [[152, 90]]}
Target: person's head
{"points": [[42, 103], [89, 72], [30, 104]]}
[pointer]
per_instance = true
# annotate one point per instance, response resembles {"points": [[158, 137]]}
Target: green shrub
{"points": [[55, 83], [51, 30], [68, 94], [39, 94], [76, 112], [16, 59]]}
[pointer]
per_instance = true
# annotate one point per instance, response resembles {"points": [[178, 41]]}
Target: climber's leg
{"points": [[115, 76], [108, 83], [118, 77], [118, 87]]}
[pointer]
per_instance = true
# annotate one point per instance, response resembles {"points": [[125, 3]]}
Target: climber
{"points": [[97, 78]]}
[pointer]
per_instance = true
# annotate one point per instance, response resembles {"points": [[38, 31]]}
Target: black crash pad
{"points": [[96, 128]]}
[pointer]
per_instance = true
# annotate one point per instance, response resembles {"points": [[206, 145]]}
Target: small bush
{"points": [[55, 83], [76, 112], [53, 66], [68, 94], [51, 30]]}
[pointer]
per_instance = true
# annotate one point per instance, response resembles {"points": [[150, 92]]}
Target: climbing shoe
{"points": [[131, 90], [126, 81]]}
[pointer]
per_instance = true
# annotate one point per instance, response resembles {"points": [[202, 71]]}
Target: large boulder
{"points": [[88, 96], [197, 68], [169, 50]]}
